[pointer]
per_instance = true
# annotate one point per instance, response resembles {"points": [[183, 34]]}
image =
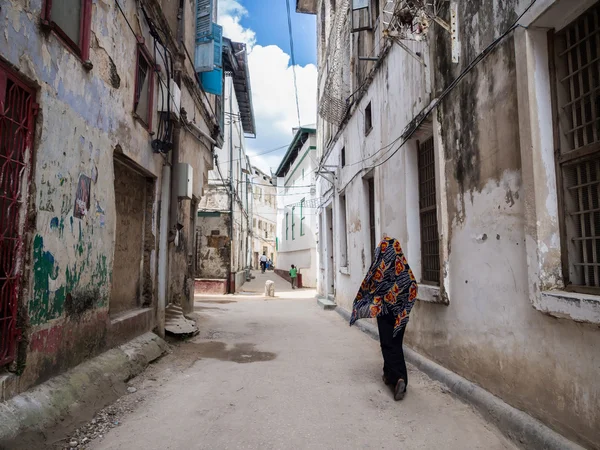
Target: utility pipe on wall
{"points": [[231, 286], [163, 242]]}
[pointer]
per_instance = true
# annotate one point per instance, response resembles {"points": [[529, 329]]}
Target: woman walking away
{"points": [[388, 292]]}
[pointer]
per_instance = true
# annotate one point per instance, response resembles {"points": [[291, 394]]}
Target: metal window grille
{"points": [[578, 87], [16, 130], [430, 239], [371, 193]]}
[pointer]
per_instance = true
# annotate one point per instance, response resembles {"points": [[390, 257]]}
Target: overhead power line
{"points": [[407, 135], [289, 14]]}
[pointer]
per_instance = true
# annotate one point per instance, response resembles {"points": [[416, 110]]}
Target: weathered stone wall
{"points": [[84, 118], [489, 332], [215, 249]]}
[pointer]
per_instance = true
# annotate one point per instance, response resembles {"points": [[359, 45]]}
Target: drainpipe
{"points": [[231, 283], [246, 269], [163, 243]]}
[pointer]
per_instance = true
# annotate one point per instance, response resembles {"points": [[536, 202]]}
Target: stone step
{"points": [[325, 303]]}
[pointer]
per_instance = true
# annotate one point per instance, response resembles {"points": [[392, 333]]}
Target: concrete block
{"points": [[325, 303], [269, 288]]}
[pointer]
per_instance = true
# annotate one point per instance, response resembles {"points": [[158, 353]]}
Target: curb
{"points": [[518, 426], [45, 404]]}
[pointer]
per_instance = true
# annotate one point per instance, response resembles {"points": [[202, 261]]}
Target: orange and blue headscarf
{"points": [[388, 288]]}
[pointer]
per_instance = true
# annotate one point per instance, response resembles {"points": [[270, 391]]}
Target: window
{"points": [[144, 84], [343, 156], [368, 119], [343, 232], [371, 204], [578, 159], [302, 217], [17, 106], [254, 222], [260, 227], [70, 19], [430, 248], [287, 226], [361, 15], [293, 223]]}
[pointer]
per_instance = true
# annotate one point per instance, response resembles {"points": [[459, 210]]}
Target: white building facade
{"points": [[486, 170], [296, 201], [264, 217], [224, 222]]}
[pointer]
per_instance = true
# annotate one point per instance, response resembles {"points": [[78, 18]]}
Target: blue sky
{"points": [[263, 26], [269, 21]]}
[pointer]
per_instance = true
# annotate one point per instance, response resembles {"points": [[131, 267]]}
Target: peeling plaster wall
{"points": [[217, 198], [215, 248], [394, 102], [489, 332], [83, 117]]}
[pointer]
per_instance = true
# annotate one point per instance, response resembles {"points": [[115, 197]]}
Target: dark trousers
{"points": [[394, 366]]}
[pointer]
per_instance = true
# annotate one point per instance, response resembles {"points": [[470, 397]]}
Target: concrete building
{"points": [[264, 217], [296, 202], [105, 140], [225, 212], [474, 140]]}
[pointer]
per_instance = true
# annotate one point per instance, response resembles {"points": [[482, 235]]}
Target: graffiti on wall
{"points": [[82, 197]]}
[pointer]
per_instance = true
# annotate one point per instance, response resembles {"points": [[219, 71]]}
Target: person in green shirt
{"points": [[294, 276]]}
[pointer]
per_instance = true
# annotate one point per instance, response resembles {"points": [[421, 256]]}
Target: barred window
{"points": [[577, 65], [430, 239]]}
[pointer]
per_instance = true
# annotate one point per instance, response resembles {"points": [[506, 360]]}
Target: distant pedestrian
{"points": [[263, 262], [388, 292], [294, 276]]}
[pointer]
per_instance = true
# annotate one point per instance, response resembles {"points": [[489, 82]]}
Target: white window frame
{"points": [[536, 130]]}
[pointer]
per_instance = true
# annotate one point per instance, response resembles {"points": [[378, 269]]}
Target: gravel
{"points": [[106, 419]]}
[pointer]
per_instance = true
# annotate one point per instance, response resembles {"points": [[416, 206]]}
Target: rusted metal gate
{"points": [[16, 131]]}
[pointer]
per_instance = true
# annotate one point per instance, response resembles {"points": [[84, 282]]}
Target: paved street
{"points": [[283, 374]]}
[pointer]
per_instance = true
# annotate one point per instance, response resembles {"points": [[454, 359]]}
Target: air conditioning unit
{"points": [[174, 99], [184, 174]]}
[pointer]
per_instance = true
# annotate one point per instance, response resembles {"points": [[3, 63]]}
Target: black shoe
{"points": [[400, 390], [385, 380]]}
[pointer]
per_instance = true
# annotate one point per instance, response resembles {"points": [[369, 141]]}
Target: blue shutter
{"points": [[204, 13], [204, 57], [218, 40], [212, 82]]}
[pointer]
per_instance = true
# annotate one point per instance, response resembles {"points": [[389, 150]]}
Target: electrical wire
{"points": [[289, 15], [405, 136], [125, 17]]}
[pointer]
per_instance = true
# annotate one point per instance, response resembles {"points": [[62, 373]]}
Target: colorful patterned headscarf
{"points": [[389, 287]]}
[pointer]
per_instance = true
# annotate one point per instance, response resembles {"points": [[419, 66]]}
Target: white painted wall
{"points": [[500, 246], [296, 247]]}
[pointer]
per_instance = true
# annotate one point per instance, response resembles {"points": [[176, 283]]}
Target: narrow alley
{"points": [[425, 170], [284, 374]]}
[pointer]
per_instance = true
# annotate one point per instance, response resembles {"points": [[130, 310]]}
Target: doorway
{"points": [[132, 274], [329, 251]]}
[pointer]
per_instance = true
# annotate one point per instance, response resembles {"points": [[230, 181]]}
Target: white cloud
{"points": [[272, 84], [231, 13]]}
